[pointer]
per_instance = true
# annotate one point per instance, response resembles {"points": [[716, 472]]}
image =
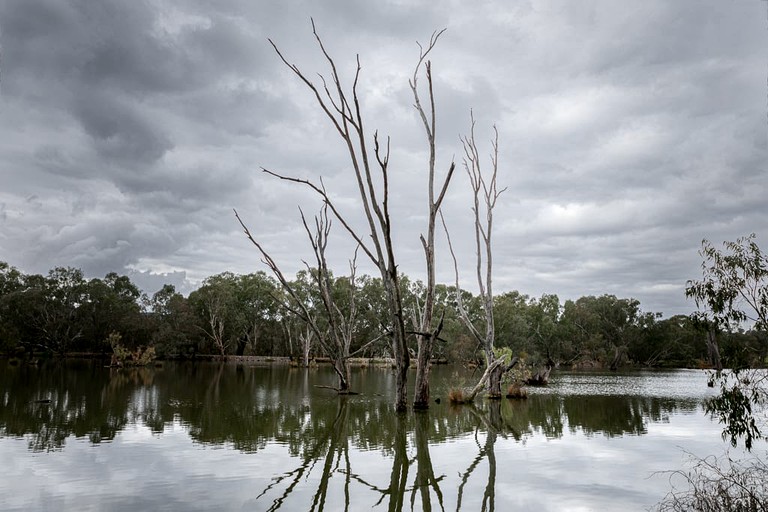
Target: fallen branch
{"points": [[338, 390]]}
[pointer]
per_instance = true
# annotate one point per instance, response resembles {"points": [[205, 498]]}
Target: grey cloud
{"points": [[628, 133], [118, 130]]}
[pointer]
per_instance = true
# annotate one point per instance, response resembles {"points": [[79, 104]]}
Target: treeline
{"points": [[64, 313]]}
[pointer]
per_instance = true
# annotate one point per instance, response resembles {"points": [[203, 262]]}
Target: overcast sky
{"points": [[629, 131]]}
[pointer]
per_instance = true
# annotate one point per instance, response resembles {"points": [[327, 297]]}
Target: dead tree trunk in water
{"points": [[340, 324], [428, 333], [495, 368], [305, 338], [342, 108]]}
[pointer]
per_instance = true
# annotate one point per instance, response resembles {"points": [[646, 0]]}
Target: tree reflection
{"points": [[335, 445], [325, 438], [47, 404], [615, 416], [250, 408], [398, 480], [425, 481], [338, 449], [493, 425]]}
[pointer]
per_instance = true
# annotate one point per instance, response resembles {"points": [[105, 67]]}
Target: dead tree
{"points": [[305, 338], [427, 333], [483, 224], [340, 324], [341, 105]]}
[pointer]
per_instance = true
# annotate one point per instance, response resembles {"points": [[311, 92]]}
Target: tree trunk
{"points": [[421, 394], [305, 339], [713, 350], [496, 366], [426, 339], [484, 256], [342, 107], [399, 349], [494, 382], [402, 363], [305, 346], [343, 372], [618, 353]]}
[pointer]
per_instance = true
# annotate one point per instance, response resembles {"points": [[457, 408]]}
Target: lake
{"points": [[207, 436]]}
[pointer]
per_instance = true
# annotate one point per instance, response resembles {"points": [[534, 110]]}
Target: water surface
{"points": [[230, 437]]}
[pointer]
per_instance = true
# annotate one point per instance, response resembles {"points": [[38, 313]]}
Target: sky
{"points": [[628, 132]]}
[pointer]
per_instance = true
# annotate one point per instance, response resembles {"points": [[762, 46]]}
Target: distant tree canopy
{"points": [[64, 313]]}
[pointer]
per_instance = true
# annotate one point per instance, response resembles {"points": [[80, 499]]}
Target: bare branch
{"points": [[326, 198], [459, 300]]}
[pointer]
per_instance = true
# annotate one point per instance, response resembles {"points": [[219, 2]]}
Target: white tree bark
{"points": [[485, 195], [370, 168]]}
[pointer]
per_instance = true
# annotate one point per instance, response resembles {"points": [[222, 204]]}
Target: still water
{"points": [[231, 437]]}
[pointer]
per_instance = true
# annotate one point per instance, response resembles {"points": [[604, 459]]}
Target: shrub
{"points": [[456, 396], [122, 356]]}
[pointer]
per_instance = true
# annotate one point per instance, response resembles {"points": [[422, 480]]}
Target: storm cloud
{"points": [[628, 133]]}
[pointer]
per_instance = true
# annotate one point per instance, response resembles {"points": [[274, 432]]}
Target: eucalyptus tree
{"points": [[369, 162], [237, 312], [47, 310], [733, 291], [112, 305], [176, 327], [258, 314], [511, 321], [544, 314], [617, 322], [215, 302], [372, 315], [11, 281], [600, 329], [672, 342]]}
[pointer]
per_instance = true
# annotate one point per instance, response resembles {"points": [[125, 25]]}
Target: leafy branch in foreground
{"points": [[732, 291]]}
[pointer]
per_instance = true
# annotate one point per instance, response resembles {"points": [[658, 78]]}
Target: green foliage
{"points": [[121, 356], [733, 291], [733, 285], [234, 314], [238, 314], [734, 408], [175, 329]]}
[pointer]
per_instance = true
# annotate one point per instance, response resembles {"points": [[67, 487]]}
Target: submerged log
{"points": [[540, 378], [338, 390]]}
